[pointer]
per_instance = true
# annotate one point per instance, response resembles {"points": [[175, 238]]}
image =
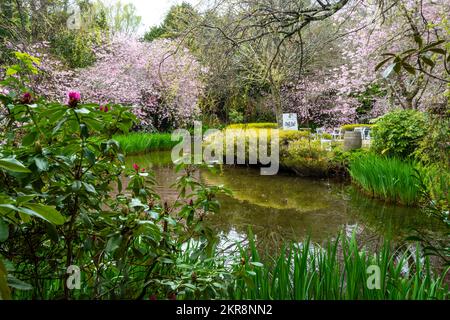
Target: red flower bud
{"points": [[74, 98], [27, 98]]}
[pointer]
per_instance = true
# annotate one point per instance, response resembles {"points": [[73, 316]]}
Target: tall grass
{"points": [[391, 179], [139, 142], [339, 271]]}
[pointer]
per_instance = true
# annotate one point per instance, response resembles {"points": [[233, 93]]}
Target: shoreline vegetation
{"points": [[135, 143], [339, 270], [388, 179]]}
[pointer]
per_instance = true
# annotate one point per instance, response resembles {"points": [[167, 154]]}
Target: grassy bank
{"points": [[389, 179], [400, 181], [340, 271], [139, 142]]}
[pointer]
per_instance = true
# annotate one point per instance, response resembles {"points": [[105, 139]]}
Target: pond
{"points": [[287, 207]]}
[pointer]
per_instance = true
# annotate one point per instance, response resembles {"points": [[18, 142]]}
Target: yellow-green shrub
{"points": [[258, 125], [351, 127], [307, 158]]}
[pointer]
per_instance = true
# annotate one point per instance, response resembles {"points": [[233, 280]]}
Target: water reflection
{"points": [[286, 207]]}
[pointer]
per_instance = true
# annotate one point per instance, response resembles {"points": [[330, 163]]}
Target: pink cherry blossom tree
{"points": [[162, 82]]}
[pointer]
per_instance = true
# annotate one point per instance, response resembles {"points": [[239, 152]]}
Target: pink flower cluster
{"points": [[161, 81]]}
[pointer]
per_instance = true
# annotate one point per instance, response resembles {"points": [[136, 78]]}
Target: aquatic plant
{"points": [[140, 142], [390, 179], [339, 271]]}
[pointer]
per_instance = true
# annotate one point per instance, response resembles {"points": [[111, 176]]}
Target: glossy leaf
{"points": [[13, 165]]}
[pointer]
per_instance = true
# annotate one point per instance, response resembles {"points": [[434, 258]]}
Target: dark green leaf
{"points": [[41, 163], [438, 50], [428, 61], [418, 40], [433, 44], [13, 165], [52, 232], [59, 125], [76, 185], [89, 187], [4, 230], [409, 68], [29, 138], [18, 284], [84, 131], [113, 243], [89, 155], [46, 212]]}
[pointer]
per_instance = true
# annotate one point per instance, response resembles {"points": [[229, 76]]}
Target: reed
{"points": [[139, 142], [391, 179], [340, 271]]}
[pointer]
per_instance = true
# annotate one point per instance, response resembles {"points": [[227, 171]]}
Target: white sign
{"points": [[290, 121]]}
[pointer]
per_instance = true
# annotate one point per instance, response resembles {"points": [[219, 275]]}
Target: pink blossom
{"points": [[74, 97]]}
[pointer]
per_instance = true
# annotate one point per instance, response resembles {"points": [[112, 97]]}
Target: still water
{"points": [[287, 207]]}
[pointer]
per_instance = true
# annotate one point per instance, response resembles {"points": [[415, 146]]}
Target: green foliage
{"points": [[259, 125], [342, 159], [351, 127], [399, 133], [155, 32], [435, 187], [75, 48], [434, 148], [287, 136], [175, 23], [235, 116], [390, 179], [339, 271], [58, 167], [137, 142], [122, 17], [401, 61], [307, 158]]}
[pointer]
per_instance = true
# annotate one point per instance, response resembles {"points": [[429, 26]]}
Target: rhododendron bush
{"points": [[160, 80]]}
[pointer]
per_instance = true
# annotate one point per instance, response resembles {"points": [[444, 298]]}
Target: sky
{"points": [[153, 11]]}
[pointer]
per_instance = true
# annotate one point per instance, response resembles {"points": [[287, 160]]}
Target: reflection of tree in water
{"points": [[288, 208]]}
